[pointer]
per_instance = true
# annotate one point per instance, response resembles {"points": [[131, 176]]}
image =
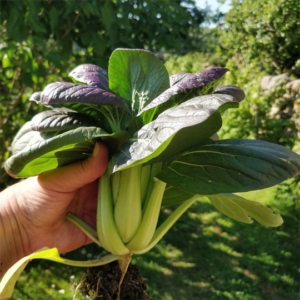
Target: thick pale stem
{"points": [[144, 181], [106, 228], [167, 224], [149, 222], [155, 169], [128, 209], [115, 184], [83, 226]]}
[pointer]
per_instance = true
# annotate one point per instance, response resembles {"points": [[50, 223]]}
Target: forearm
{"points": [[12, 236]]}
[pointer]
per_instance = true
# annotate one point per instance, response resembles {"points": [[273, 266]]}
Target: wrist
{"points": [[14, 241]]}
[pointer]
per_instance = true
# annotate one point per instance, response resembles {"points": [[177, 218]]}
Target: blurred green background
{"points": [[206, 255]]}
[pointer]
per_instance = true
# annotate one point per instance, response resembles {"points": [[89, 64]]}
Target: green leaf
{"points": [[33, 19], [16, 20], [54, 17], [175, 130], [11, 276], [5, 61], [230, 166], [137, 76], [240, 209], [174, 196], [36, 152]]}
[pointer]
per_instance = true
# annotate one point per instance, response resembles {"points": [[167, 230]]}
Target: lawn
{"points": [[204, 256]]}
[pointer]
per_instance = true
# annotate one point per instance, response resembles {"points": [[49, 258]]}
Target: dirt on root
{"points": [[103, 283]]}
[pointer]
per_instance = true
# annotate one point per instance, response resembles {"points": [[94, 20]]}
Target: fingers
{"points": [[72, 177]]}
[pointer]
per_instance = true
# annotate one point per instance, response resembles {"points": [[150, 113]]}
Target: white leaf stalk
{"points": [[128, 208], [148, 225], [129, 204], [106, 227]]}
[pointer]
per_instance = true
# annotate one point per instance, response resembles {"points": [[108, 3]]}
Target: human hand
{"points": [[33, 211]]}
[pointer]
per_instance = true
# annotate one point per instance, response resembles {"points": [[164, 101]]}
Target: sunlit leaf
{"points": [[91, 75], [11, 276], [137, 76], [241, 209]]}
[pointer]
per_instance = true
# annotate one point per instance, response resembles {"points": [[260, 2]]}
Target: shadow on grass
{"points": [[204, 256], [208, 256]]}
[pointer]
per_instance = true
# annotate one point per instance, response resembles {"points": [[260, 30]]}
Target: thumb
{"points": [[72, 177]]}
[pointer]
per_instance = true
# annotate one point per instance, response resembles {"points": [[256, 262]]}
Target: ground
{"points": [[204, 256]]}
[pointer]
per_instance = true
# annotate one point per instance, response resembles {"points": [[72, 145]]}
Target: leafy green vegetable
{"points": [[163, 150]]}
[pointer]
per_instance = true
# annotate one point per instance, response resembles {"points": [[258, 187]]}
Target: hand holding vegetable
{"points": [[33, 211]]}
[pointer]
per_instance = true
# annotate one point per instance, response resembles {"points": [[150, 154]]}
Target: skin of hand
{"points": [[32, 211]]}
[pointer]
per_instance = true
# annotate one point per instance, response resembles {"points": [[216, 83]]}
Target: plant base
{"points": [[103, 283]]}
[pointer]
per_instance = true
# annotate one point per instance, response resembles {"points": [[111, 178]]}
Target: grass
{"points": [[205, 256]]}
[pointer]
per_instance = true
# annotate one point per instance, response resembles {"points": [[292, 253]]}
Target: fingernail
{"points": [[96, 150]]}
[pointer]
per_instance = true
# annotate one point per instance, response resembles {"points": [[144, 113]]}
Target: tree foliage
{"points": [[266, 31]]}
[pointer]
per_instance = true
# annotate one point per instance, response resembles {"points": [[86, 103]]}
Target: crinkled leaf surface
{"points": [[60, 120], [230, 166], [241, 210], [137, 76], [173, 196], [175, 130], [174, 79], [11, 276], [184, 87], [68, 92], [37, 152], [231, 90], [91, 75]]}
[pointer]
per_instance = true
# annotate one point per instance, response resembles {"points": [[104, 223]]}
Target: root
{"points": [[117, 280], [123, 265], [78, 286]]}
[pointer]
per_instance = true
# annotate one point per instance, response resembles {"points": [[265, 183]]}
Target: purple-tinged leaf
{"points": [[91, 75], [185, 86], [174, 79], [232, 90], [35, 97], [60, 120], [67, 92]]}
